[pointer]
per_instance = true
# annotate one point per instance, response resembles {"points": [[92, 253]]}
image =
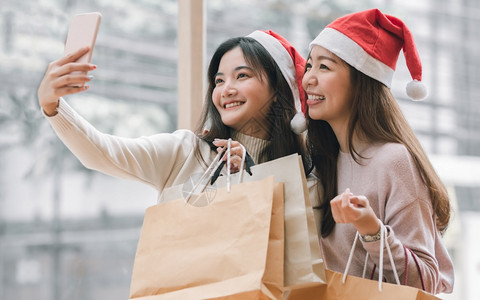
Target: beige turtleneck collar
{"points": [[254, 146]]}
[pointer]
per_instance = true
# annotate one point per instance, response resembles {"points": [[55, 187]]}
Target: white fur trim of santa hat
{"points": [[287, 66]]}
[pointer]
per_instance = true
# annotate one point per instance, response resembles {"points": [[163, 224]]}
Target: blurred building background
{"points": [[69, 233]]}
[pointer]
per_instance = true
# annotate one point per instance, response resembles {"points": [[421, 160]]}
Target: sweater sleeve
{"points": [[410, 221], [152, 160]]}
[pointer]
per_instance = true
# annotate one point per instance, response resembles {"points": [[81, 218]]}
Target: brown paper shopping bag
{"points": [[343, 286], [357, 288], [229, 249], [303, 261], [303, 258]]}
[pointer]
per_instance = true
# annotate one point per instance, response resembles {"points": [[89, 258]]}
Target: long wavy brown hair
{"points": [[376, 116]]}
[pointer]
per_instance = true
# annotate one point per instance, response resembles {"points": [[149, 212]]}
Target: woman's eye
{"points": [[324, 67], [242, 75], [218, 81], [308, 66]]}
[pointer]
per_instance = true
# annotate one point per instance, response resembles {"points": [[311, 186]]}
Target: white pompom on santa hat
{"points": [[292, 66], [370, 41]]}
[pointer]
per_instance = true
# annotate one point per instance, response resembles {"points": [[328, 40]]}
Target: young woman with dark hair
{"points": [[373, 170], [254, 96], [267, 128]]}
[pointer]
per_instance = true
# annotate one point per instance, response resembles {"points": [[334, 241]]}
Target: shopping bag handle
{"points": [[248, 164], [383, 244], [217, 163], [242, 163], [210, 169], [405, 249]]}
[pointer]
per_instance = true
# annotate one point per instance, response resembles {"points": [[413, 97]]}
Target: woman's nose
{"points": [[309, 79], [228, 90]]}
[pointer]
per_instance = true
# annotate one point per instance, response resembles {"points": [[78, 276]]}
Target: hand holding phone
{"points": [[55, 84], [83, 32]]}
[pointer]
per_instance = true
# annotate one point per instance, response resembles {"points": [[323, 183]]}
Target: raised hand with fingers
{"points": [[349, 208], [59, 81], [236, 153]]}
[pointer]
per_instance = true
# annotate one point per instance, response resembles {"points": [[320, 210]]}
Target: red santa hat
{"points": [[370, 41], [292, 66]]}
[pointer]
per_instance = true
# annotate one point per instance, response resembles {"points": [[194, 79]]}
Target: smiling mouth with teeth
{"points": [[233, 104], [316, 97]]}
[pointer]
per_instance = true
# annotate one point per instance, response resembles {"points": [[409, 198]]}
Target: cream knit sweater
{"points": [[160, 160]]}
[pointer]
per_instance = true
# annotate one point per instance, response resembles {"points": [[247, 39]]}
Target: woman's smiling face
{"points": [[327, 84], [241, 96]]}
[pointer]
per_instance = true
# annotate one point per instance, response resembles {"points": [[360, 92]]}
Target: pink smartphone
{"points": [[83, 32]]}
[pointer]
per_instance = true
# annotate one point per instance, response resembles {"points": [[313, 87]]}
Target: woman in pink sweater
{"points": [[374, 171]]}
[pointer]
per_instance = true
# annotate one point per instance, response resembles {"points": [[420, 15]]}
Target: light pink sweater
{"points": [[390, 181]]}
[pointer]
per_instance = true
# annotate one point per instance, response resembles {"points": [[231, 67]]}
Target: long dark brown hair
{"points": [[282, 140], [376, 116]]}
